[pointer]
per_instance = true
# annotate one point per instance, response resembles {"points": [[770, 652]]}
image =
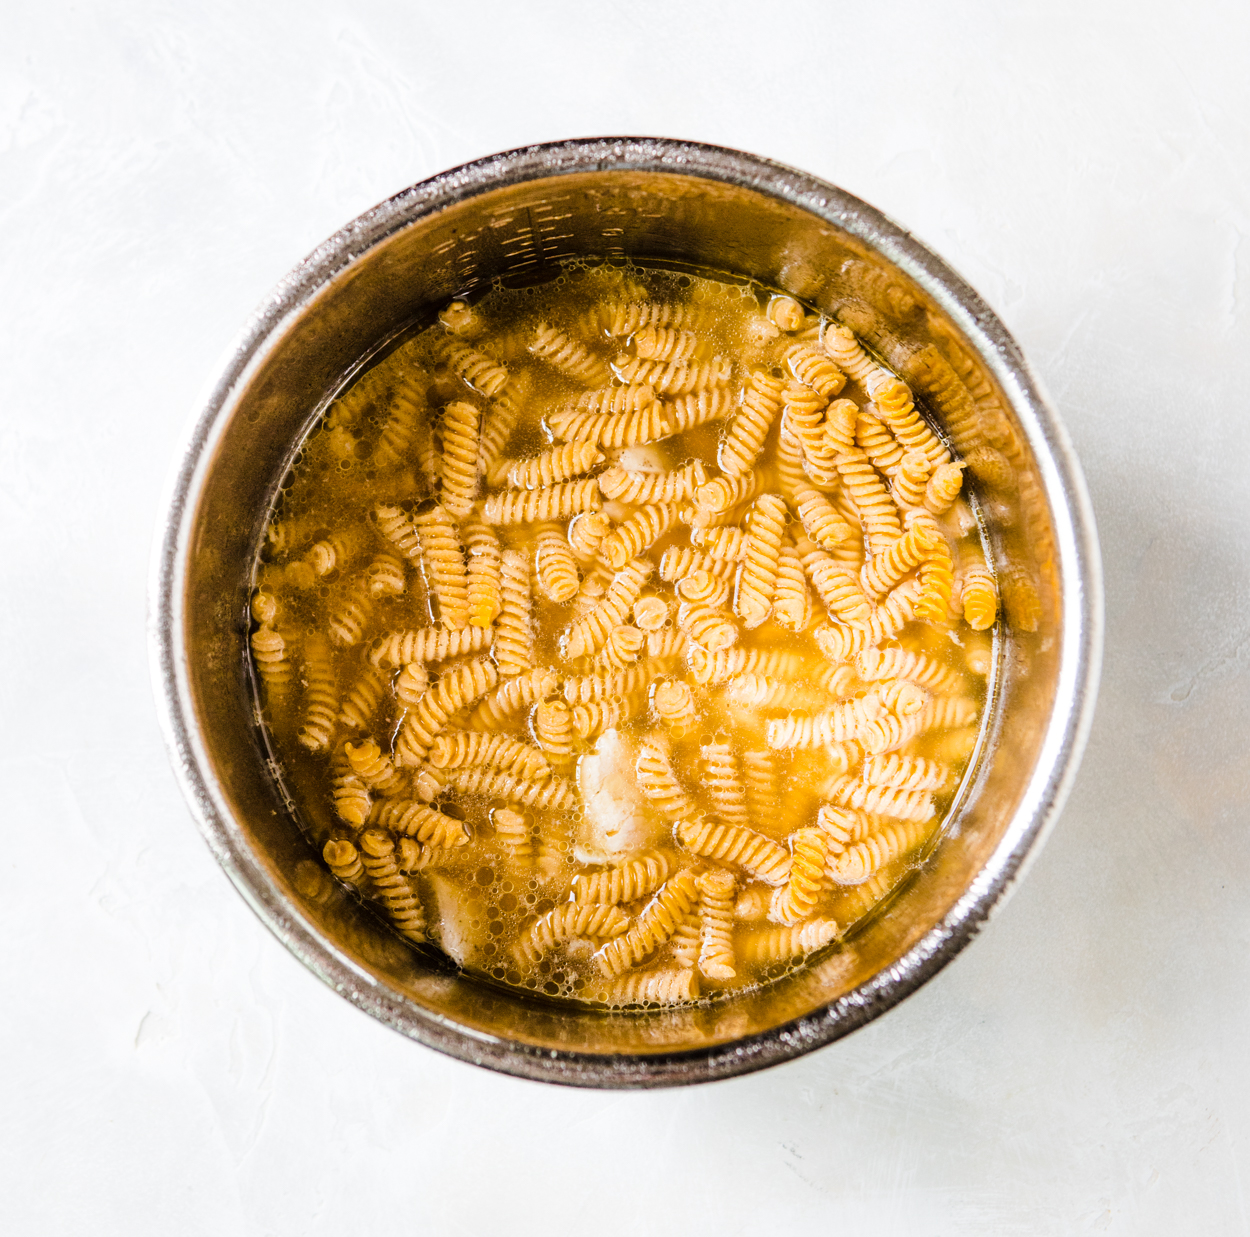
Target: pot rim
{"points": [[1078, 557]]}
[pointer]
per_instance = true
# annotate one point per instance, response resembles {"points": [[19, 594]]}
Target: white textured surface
{"points": [[169, 1068]]}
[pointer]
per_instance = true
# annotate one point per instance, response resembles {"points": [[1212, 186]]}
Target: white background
{"points": [[169, 1068]]}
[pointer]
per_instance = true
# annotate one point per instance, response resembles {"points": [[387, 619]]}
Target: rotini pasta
{"points": [[632, 880], [552, 793], [672, 702], [650, 423], [444, 564], [561, 463], [749, 426], [511, 697], [656, 923], [569, 356], [716, 906], [428, 644], [676, 486], [461, 424], [771, 946], [555, 564], [377, 853], [552, 502], [590, 633], [642, 530], [861, 859], [797, 898], [766, 523], [735, 844], [571, 919], [514, 634], [343, 860], [464, 748], [979, 592]]}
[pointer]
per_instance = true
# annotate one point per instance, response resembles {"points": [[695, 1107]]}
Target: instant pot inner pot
{"points": [[522, 232]]}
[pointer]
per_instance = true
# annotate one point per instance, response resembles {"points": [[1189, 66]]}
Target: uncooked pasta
{"points": [[624, 637]]}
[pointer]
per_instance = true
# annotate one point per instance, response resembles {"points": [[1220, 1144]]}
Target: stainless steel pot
{"points": [[517, 215]]}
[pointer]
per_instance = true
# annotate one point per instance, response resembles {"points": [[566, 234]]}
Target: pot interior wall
{"points": [[522, 232]]}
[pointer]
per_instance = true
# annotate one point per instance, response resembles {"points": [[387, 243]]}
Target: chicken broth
{"points": [[625, 637]]}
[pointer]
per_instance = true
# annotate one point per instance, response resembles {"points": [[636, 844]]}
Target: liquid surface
{"points": [[624, 637]]}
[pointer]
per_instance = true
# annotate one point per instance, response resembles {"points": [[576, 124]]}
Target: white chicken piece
{"points": [[616, 818], [452, 923]]}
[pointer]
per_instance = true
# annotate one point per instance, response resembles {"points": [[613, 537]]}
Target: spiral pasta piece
{"points": [[552, 502], [348, 623], [551, 467], [320, 696], [514, 630], [461, 424], [570, 356], [840, 641], [335, 552], [772, 946], [395, 525], [792, 600], [878, 444], [905, 772], [876, 510], [766, 522], [590, 633], [444, 563], [565, 922], [979, 592], [657, 781], [606, 685], [700, 407], [678, 562], [791, 475], [628, 486], [553, 729], [595, 717], [422, 723], [617, 399], [554, 793], [896, 663], [662, 343], [838, 588], [397, 648], [673, 378], [814, 369], [707, 666], [642, 530], [419, 821], [745, 848], [894, 405], [664, 986], [910, 479], [657, 922], [843, 826], [458, 749], [473, 367], [630, 317], [672, 703], [703, 586], [946, 713], [762, 783], [368, 763], [649, 423], [884, 570], [820, 519], [349, 793], [555, 564], [585, 534], [343, 860], [500, 707], [271, 662], [847, 353], [389, 886], [861, 859], [708, 626], [797, 898], [484, 555], [758, 691], [748, 427], [716, 912], [891, 801], [727, 543], [633, 879], [722, 783], [500, 421], [723, 493], [843, 720], [623, 648], [943, 487], [841, 418], [384, 576]]}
